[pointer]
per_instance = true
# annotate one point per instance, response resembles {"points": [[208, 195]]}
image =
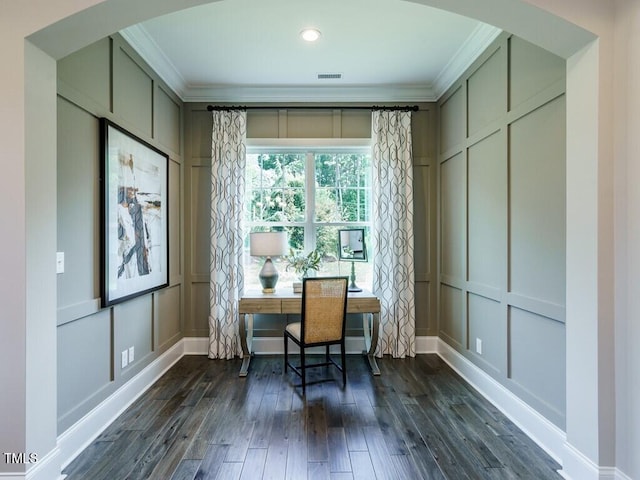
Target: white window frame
{"points": [[310, 147]]}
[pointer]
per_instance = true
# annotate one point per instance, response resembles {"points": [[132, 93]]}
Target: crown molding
{"points": [[471, 49], [309, 94], [140, 40]]}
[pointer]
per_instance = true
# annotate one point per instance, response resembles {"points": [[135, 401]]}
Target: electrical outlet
{"points": [[125, 358], [59, 262], [131, 354], [478, 346]]}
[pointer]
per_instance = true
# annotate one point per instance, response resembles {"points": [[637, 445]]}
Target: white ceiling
{"points": [[250, 50]]}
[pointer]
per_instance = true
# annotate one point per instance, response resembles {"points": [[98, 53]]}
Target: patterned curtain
{"points": [[227, 198], [393, 268]]}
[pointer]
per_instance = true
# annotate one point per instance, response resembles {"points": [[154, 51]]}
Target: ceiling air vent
{"points": [[329, 76]]}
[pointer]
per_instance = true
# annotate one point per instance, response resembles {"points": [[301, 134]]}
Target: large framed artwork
{"points": [[134, 240]]}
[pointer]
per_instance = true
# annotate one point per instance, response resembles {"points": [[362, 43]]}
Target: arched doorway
{"points": [[35, 125]]}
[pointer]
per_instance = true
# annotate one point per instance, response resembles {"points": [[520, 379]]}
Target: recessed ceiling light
{"points": [[310, 34]]}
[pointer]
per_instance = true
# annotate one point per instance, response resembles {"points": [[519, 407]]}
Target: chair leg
{"points": [[326, 355], [286, 345], [344, 365], [303, 370]]}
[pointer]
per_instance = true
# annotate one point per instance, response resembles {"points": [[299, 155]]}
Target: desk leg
{"points": [[246, 339], [370, 325]]}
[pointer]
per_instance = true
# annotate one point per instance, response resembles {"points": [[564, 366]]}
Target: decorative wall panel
{"points": [[487, 211], [132, 92], [537, 362], [537, 204], [452, 211], [451, 110], [452, 324], [502, 221], [487, 94]]}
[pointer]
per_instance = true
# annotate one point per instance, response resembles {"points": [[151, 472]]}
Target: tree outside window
{"points": [[310, 195]]}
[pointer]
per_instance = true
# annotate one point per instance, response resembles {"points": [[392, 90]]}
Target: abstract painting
{"points": [[134, 187]]}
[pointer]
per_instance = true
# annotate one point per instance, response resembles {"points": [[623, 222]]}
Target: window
{"points": [[310, 193]]}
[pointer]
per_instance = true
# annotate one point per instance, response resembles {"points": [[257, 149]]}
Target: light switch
{"points": [[59, 262]]}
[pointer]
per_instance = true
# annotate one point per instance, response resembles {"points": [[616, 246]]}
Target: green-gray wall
{"points": [[501, 220], [108, 79], [297, 124]]}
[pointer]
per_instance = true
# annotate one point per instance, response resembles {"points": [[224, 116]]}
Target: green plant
{"points": [[302, 263]]}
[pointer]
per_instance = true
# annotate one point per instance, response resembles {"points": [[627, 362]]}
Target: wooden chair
{"points": [[322, 322]]}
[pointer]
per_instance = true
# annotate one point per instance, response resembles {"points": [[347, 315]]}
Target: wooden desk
{"points": [[283, 302]]}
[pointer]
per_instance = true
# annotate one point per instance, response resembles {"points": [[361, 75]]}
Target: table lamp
{"points": [[268, 244]]}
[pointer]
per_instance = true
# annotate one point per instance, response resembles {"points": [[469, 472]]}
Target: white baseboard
{"points": [[426, 345], [621, 476], [578, 467], [47, 467], [274, 345], [196, 345], [80, 435]]}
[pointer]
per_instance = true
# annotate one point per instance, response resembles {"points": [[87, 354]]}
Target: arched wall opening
{"points": [[588, 166]]}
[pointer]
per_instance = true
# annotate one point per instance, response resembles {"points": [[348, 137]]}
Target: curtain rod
{"points": [[404, 108]]}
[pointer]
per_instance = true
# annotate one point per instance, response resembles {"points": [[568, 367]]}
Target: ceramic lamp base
{"points": [[268, 276]]}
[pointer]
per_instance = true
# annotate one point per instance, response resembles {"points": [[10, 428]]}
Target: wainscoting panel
{"points": [[452, 324], [200, 208], [309, 123], [198, 123], [537, 204], [422, 221], [260, 124], [199, 308], [84, 366], [487, 334], [84, 76], [452, 211], [486, 91], [424, 251], [133, 91], [531, 70], [452, 132], [537, 362], [167, 120], [175, 223], [168, 316], [133, 327], [78, 205], [423, 303], [356, 124], [486, 210]]}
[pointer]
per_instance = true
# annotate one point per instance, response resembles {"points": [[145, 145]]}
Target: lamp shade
{"points": [[268, 244]]}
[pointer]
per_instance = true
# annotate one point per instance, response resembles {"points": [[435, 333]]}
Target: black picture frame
{"points": [[134, 187], [351, 245]]}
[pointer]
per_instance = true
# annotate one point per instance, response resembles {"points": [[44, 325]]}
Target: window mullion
{"points": [[310, 197]]}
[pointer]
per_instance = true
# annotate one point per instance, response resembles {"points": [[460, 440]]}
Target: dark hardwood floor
{"points": [[417, 420]]}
